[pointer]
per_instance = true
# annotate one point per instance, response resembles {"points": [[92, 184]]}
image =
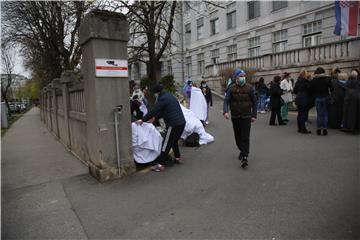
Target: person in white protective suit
{"points": [[198, 104]]}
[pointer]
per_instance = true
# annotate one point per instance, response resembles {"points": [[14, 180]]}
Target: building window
{"points": [[279, 5], [169, 67], [231, 20], [254, 46], [186, 6], [201, 64], [214, 24], [232, 52], [188, 66], [215, 55], [312, 34], [200, 28], [280, 41], [253, 9], [187, 33]]}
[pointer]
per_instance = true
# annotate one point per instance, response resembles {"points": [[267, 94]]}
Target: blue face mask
{"points": [[241, 81]]}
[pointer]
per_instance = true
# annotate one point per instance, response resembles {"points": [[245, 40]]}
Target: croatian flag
{"points": [[347, 13]]}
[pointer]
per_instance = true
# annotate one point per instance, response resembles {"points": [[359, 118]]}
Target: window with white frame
{"points": [[253, 9], [200, 28], [232, 52], [214, 26], [280, 41], [188, 66], [169, 67], [201, 64], [187, 33], [254, 46], [312, 34], [279, 5], [215, 55], [231, 19]]}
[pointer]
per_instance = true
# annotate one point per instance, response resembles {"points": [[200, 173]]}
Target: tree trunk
{"points": [[6, 102]]}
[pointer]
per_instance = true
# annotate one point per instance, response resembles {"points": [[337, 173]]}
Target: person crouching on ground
{"points": [[302, 100], [242, 100], [168, 108]]}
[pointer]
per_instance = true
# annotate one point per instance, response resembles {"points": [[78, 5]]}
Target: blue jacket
{"points": [[168, 108]]}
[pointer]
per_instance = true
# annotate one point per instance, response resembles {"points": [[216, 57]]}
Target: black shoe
{"points": [[305, 131], [240, 157], [286, 120], [318, 132], [283, 123], [244, 162], [325, 132], [273, 124]]}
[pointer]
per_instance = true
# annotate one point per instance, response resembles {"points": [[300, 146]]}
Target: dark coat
{"points": [[302, 91], [320, 86], [275, 95], [168, 108], [351, 117], [206, 91], [262, 89], [336, 106]]}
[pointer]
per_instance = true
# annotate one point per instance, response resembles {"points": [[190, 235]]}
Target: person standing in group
{"points": [[286, 86], [320, 88], [205, 89], [275, 101], [242, 100], [302, 100], [351, 117], [262, 92], [168, 108], [336, 106]]}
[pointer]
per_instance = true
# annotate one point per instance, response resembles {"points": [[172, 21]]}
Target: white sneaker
{"points": [[262, 111]]}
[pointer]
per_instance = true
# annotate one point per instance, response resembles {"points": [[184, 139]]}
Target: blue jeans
{"points": [[261, 103], [322, 112]]}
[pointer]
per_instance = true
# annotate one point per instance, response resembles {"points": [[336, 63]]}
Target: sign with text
{"points": [[111, 68]]}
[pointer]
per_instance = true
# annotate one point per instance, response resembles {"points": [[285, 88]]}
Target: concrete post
{"points": [[66, 78], [55, 85], [104, 35]]}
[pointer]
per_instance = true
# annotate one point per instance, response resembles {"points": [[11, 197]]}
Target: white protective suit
{"points": [[198, 104], [146, 142], [193, 124]]}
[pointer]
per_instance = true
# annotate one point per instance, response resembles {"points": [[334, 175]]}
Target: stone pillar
{"points": [[104, 35], [66, 78], [55, 85]]}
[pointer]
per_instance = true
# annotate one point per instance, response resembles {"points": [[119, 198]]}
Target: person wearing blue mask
{"points": [[242, 101]]}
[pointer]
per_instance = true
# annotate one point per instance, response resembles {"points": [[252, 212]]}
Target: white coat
{"points": [[286, 86]]}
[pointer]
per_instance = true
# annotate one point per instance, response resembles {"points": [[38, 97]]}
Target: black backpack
{"points": [[192, 140]]}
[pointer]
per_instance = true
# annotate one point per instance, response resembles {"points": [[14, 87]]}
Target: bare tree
{"points": [[7, 78], [47, 32]]}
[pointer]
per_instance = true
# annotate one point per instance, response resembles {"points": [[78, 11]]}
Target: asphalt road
{"points": [[296, 187]]}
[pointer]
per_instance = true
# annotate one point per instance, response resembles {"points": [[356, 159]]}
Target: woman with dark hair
{"points": [[302, 100], [320, 88], [275, 95], [351, 117]]}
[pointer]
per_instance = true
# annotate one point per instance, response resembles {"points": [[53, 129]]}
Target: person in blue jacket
{"points": [[168, 108]]}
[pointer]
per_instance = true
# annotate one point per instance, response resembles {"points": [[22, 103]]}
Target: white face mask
{"points": [[203, 85], [156, 95], [241, 80]]}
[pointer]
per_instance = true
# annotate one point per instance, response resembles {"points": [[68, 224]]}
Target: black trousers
{"points": [[275, 111], [302, 116], [242, 134], [170, 141]]}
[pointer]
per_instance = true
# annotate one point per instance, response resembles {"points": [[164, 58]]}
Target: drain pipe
{"points": [[117, 111]]}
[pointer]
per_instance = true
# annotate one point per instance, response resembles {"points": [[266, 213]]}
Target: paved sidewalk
{"points": [[33, 166]]}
